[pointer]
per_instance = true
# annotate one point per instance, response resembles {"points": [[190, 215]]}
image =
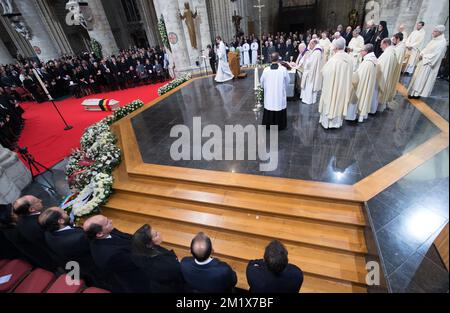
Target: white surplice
{"points": [[427, 70], [254, 48], [224, 73], [275, 84], [246, 48]]}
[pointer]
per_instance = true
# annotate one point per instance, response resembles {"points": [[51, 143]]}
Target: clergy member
{"points": [[430, 60], [246, 48], [388, 65], [312, 76], [355, 47], [325, 43], [337, 87], [254, 48], [275, 80], [364, 84], [401, 29], [223, 71], [400, 50], [414, 44]]}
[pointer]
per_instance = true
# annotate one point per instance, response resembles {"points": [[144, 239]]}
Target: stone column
{"points": [[150, 19], [101, 29], [5, 56], [14, 176], [48, 17], [204, 30], [22, 45], [40, 40], [170, 10], [433, 13]]}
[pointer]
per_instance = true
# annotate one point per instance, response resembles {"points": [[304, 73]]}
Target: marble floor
{"points": [[305, 150]]}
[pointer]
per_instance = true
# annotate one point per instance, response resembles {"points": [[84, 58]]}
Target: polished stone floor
{"points": [[306, 150], [408, 216]]}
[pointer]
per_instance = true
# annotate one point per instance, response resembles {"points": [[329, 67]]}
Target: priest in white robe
{"points": [[430, 60], [364, 83], [388, 65], [275, 81], [400, 50], [337, 87], [312, 73], [224, 73], [254, 47], [299, 66], [355, 47], [246, 49], [414, 45], [401, 29], [325, 43]]}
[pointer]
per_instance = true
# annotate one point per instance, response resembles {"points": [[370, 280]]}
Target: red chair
{"points": [[37, 282], [3, 262], [18, 269], [95, 290], [60, 286]]}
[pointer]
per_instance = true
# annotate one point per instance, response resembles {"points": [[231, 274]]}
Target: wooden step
{"points": [[342, 266], [285, 205], [343, 237]]}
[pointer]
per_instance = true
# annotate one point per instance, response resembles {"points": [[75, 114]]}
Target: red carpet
{"points": [[44, 134]]}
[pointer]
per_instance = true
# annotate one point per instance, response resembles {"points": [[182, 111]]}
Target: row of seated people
{"points": [[137, 263], [11, 121]]}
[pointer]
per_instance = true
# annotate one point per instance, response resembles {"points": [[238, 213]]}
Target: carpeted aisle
{"points": [[44, 134]]}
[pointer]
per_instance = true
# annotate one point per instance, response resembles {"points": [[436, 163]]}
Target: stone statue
{"points": [[7, 7], [189, 17], [353, 18], [20, 27], [237, 23], [372, 12], [79, 15]]}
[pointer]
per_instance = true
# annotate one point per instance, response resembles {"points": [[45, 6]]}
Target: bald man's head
{"points": [[27, 205], [98, 227], [201, 247]]}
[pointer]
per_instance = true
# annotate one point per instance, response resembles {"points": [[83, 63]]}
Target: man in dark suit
{"points": [[69, 244], [28, 209], [368, 32], [112, 253], [348, 35], [274, 274], [204, 274]]}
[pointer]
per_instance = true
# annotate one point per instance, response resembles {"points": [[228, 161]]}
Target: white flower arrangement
{"points": [[89, 169], [259, 93], [174, 84], [92, 196]]}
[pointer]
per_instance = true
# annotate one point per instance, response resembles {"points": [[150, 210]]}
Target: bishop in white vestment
{"points": [[427, 70], [275, 80], [254, 47], [355, 47], [364, 83], [246, 48], [224, 73], [337, 87], [414, 44], [312, 76], [388, 65]]}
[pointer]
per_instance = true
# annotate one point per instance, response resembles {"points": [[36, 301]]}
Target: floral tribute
{"points": [[174, 84]]}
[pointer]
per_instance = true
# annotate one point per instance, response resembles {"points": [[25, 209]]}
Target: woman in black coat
{"points": [[159, 264], [381, 33]]}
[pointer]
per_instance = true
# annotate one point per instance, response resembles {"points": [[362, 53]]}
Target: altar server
{"points": [[246, 49], [254, 48], [275, 80]]}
